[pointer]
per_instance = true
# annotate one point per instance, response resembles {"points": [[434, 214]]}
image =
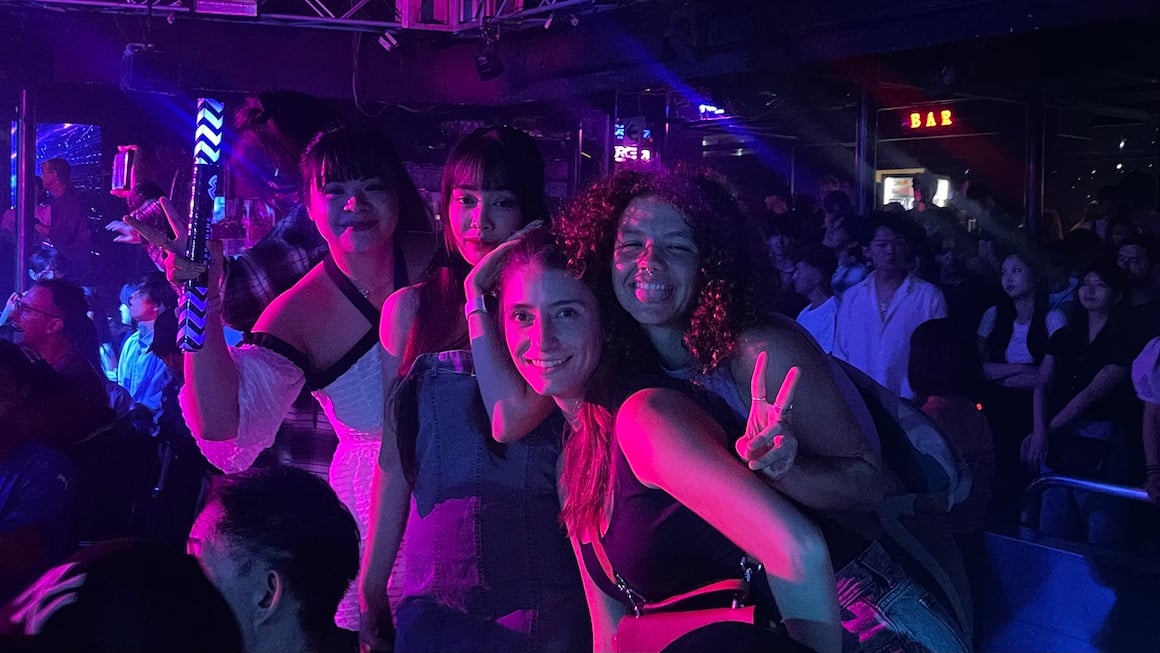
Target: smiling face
{"points": [[354, 214], [552, 329], [38, 317], [655, 263], [482, 219]]}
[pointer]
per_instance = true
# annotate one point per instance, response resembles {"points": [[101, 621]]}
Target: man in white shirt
{"points": [[877, 316], [811, 279]]}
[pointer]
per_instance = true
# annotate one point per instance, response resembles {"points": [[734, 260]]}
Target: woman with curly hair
{"points": [[686, 269], [655, 503], [688, 272]]}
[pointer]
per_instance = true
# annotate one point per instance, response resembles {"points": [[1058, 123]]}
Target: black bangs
{"points": [[498, 158], [485, 170], [351, 153]]}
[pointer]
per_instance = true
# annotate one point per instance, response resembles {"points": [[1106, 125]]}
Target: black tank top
{"points": [[657, 545]]}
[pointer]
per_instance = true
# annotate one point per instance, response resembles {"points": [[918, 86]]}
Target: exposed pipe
{"points": [[1033, 172], [25, 181], [865, 143]]}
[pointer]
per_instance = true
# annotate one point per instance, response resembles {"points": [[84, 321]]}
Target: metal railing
{"points": [[1032, 497]]}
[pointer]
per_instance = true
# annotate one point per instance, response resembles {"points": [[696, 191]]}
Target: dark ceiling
{"points": [[1063, 48]]}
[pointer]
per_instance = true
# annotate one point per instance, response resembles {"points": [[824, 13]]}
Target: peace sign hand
{"points": [[768, 443]]}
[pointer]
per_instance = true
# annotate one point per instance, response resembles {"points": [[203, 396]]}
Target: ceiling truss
{"points": [[456, 17]]}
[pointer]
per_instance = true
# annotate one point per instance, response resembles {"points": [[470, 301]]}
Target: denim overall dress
{"points": [[487, 565]]}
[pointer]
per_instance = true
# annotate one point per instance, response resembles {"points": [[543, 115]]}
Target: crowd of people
{"points": [[549, 425]]}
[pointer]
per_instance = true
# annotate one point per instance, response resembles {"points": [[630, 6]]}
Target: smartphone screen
{"points": [[122, 165]]}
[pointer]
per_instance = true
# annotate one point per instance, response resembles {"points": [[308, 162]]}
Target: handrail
{"points": [[1031, 497]]}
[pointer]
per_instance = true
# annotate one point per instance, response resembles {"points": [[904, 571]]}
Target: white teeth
{"points": [[650, 286], [547, 363]]}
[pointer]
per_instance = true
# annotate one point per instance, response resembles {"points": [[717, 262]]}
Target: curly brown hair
{"points": [[735, 283]]}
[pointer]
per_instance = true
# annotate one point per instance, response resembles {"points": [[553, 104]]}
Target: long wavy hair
{"points": [[586, 475], [735, 282]]}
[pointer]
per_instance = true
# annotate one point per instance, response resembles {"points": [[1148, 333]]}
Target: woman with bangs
{"points": [[322, 332], [483, 563]]}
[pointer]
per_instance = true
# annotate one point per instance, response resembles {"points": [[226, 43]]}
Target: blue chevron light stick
{"points": [[206, 174]]}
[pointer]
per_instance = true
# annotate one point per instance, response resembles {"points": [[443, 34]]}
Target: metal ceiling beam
{"points": [[323, 17]]}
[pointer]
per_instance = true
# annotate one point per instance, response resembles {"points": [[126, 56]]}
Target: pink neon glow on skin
{"points": [[552, 329]]}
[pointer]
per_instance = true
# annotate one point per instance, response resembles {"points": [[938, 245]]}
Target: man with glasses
{"points": [[52, 320], [877, 316]]}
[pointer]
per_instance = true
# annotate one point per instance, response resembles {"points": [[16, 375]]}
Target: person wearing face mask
{"points": [[453, 497], [322, 333]]}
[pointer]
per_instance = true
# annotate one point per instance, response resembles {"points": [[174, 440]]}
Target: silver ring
{"points": [[761, 398]]}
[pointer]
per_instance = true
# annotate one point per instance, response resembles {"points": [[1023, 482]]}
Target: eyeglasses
{"points": [[20, 305]]}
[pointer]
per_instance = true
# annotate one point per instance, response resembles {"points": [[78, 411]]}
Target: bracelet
{"points": [[477, 304]]}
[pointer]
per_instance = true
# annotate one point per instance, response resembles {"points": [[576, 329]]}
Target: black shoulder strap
{"points": [[356, 298], [280, 346], [340, 367]]}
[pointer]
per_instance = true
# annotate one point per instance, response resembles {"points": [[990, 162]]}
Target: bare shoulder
{"points": [[779, 338], [418, 249], [656, 414], [399, 313], [658, 428], [291, 314]]}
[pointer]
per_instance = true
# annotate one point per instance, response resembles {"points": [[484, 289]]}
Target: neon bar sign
{"points": [[631, 146], [626, 153], [923, 120]]}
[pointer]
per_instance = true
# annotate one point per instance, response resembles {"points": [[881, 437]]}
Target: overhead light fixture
{"points": [[388, 41], [487, 62], [226, 7]]}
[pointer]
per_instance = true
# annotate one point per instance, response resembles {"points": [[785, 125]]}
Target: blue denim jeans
{"points": [[1079, 516], [888, 611]]}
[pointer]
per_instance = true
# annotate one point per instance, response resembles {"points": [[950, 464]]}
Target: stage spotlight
{"points": [[487, 62], [388, 41]]}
